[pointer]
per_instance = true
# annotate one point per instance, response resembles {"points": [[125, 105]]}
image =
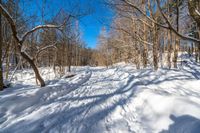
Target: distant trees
{"points": [[148, 32], [194, 10], [54, 43], [143, 32], [102, 55]]}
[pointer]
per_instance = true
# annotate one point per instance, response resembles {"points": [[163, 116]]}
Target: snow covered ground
{"points": [[120, 99]]}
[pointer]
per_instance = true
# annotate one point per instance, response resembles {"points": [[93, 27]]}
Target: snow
{"points": [[120, 99]]}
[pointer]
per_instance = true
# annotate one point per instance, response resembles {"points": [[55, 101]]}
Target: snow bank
{"points": [[119, 99]]}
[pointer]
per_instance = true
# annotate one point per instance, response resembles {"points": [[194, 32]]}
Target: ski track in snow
{"points": [[98, 100]]}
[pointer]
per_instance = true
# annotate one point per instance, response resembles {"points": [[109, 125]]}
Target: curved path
{"points": [[99, 100]]}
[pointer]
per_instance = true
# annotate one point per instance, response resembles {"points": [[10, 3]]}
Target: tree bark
{"points": [[194, 8], [155, 48], [169, 49], [8, 61], [145, 52], [176, 47], [177, 43], [35, 69], [1, 44]]}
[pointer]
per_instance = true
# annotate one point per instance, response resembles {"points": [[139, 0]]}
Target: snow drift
{"points": [[116, 100]]}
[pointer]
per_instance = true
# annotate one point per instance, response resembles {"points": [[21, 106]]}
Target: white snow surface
{"points": [[119, 99]]}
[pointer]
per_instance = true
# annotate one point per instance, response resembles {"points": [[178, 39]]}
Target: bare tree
{"points": [[20, 41], [168, 26], [1, 44]]}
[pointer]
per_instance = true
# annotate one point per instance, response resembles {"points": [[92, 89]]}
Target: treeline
{"points": [[27, 42], [145, 33]]}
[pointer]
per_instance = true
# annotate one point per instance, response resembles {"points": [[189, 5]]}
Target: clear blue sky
{"points": [[90, 25]]}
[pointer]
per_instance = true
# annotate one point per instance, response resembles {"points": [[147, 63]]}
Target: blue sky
{"points": [[90, 25]]}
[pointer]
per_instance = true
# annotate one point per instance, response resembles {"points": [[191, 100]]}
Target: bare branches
{"points": [[193, 9], [135, 36], [45, 48], [8, 17], [169, 27], [10, 20], [38, 28], [144, 14]]}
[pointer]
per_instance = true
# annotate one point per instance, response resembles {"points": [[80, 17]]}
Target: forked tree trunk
{"points": [[35, 69], [21, 40]]}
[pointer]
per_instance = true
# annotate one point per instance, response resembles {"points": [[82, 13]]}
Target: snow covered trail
{"points": [[66, 103], [98, 100]]}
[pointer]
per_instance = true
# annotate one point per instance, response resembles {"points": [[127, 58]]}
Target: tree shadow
{"points": [[75, 116], [190, 68], [183, 124], [84, 117]]}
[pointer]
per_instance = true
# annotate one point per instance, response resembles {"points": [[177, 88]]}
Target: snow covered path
{"points": [[99, 100]]}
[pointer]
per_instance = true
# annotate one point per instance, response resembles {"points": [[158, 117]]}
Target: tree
{"points": [[103, 48], [20, 41], [1, 44]]}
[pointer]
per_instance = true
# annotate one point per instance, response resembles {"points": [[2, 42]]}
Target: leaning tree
{"points": [[20, 40]]}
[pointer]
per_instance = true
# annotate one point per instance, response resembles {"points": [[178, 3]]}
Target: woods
{"points": [[59, 43], [100, 66], [153, 32], [145, 33]]}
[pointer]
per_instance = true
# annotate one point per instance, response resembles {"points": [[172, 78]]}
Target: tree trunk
{"points": [[198, 49], [176, 47], [145, 52], [35, 69], [177, 41], [169, 47], [1, 44], [155, 48], [7, 65], [194, 5], [8, 54], [192, 49], [69, 56]]}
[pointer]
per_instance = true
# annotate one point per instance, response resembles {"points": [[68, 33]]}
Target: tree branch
{"points": [[10, 20], [44, 48], [48, 26], [138, 38], [37, 28], [169, 27], [144, 14]]}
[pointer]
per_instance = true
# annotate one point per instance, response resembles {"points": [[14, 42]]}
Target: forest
{"points": [[142, 73], [140, 34]]}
